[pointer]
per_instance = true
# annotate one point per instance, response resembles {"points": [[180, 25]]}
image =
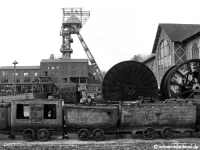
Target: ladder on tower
{"points": [[90, 57]]}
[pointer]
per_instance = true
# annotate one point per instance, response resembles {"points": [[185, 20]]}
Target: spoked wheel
{"points": [[43, 135], [84, 134], [98, 134], [148, 133], [29, 135], [128, 80], [167, 133], [184, 80]]}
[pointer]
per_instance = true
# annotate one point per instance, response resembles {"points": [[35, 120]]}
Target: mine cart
{"points": [[94, 120], [39, 118], [5, 116], [164, 118]]}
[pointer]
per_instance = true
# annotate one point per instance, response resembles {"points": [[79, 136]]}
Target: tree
{"points": [[140, 57], [103, 72]]}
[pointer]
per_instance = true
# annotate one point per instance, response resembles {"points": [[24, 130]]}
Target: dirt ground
{"points": [[110, 142]]}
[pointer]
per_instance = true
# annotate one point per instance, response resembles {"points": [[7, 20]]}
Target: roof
{"points": [[152, 57], [20, 67], [177, 32], [63, 60]]}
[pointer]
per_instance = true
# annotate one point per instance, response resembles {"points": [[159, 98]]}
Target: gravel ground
{"points": [[127, 142]]}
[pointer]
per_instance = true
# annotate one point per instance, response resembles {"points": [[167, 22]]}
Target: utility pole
{"points": [[14, 83]]}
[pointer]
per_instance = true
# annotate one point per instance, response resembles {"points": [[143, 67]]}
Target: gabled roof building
{"points": [[174, 44]]}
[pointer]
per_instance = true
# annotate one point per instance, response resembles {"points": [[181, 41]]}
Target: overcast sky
{"points": [[115, 31]]}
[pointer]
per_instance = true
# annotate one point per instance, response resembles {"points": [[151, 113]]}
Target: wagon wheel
{"points": [[29, 135], [11, 136], [184, 81], [98, 134], [43, 135], [167, 133], [128, 80], [148, 133], [84, 134]]}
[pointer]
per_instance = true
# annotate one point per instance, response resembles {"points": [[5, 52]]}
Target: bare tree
{"points": [[103, 72], [140, 57]]}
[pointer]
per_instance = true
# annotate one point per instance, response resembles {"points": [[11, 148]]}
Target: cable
{"points": [[113, 51], [113, 47]]}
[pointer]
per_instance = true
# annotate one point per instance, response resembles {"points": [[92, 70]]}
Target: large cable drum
{"points": [[183, 81], [128, 81]]}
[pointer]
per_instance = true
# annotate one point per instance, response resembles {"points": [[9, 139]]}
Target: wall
{"points": [[65, 70], [160, 72], [20, 75], [188, 47]]}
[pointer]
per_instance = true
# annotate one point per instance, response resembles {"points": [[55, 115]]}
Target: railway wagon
{"points": [[39, 118], [90, 120], [164, 118]]}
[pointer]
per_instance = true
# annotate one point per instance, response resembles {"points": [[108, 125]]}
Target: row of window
{"points": [[64, 73], [27, 79], [23, 111], [64, 66], [25, 74], [164, 55]]}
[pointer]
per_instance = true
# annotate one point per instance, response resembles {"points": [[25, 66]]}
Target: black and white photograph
{"points": [[99, 75]]}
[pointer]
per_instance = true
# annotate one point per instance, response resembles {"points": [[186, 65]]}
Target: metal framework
{"points": [[73, 20]]}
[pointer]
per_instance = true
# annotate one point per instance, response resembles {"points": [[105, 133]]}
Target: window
{"points": [[83, 66], [17, 80], [22, 111], [45, 73], [16, 74], [64, 80], [82, 80], [27, 79], [164, 55], [5, 80], [26, 74], [49, 111], [83, 73], [4, 73], [36, 79], [74, 66], [74, 73], [74, 80], [195, 51], [36, 74]]}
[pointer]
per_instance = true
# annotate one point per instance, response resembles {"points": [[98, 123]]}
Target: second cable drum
{"points": [[128, 81]]}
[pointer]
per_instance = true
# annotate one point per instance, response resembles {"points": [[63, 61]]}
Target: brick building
{"points": [[50, 71]]}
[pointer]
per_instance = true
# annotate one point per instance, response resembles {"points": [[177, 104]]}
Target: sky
{"points": [[116, 30]]}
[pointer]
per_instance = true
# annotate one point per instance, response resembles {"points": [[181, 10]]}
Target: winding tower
{"points": [[73, 21]]}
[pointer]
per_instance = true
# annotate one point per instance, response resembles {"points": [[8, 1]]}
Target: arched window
{"points": [[195, 51], [164, 59]]}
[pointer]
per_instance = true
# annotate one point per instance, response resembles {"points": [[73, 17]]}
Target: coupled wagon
{"points": [[90, 120], [163, 118], [39, 118]]}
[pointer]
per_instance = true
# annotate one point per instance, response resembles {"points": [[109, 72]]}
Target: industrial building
{"points": [[174, 44], [43, 78]]}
